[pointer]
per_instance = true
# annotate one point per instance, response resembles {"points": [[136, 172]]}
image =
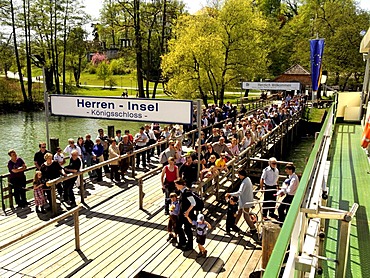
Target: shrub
{"points": [[98, 58], [91, 69], [119, 67]]}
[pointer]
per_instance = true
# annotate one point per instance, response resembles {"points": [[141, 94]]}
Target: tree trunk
{"points": [[56, 60], [164, 22], [25, 99], [138, 49], [155, 88], [65, 48], [336, 80], [147, 82], [28, 48], [204, 98], [112, 25], [77, 72], [162, 45], [346, 81], [148, 77]]}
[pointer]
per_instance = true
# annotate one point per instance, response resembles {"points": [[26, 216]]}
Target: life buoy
{"points": [[366, 135]]}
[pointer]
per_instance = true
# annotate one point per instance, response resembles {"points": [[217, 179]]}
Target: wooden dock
{"points": [[119, 240]]}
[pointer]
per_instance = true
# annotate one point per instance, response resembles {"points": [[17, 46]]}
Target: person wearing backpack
{"points": [[167, 153], [187, 205]]}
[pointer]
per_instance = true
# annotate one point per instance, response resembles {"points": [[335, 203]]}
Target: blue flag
{"points": [[317, 50]]}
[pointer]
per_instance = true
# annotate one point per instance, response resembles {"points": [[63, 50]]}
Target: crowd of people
{"points": [[180, 171]]}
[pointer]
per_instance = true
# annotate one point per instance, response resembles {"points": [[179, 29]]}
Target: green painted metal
{"points": [[349, 182], [274, 266]]}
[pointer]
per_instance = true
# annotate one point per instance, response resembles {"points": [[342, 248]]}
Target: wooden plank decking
{"points": [[119, 240]]}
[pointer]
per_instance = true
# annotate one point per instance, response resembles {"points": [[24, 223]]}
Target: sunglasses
{"points": [[43, 147], [273, 163]]}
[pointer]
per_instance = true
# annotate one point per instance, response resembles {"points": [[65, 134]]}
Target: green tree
{"points": [[215, 50], [148, 24], [52, 21], [103, 71], [76, 52], [339, 23], [6, 55], [17, 56]]}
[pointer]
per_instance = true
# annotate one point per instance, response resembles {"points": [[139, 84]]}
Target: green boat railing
{"points": [[301, 229]]}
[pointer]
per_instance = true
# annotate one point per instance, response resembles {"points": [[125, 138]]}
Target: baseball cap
{"points": [[200, 218]]}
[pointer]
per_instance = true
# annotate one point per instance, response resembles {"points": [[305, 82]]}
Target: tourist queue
{"points": [[180, 171]]}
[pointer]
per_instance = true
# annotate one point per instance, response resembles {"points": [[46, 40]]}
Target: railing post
{"points": [[54, 208], [133, 164], [82, 188], [77, 229], [141, 193], [270, 233], [217, 181], [343, 242], [10, 190], [232, 172], [282, 140], [2, 194], [111, 131]]}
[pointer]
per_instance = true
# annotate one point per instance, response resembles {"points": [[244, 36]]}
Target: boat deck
{"points": [[349, 182], [119, 240]]}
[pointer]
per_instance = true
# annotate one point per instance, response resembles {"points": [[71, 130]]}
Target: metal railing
{"points": [[292, 233], [302, 226]]}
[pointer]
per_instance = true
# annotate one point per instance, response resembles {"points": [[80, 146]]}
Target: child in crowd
{"points": [[38, 192], [174, 209], [221, 163], [202, 227], [59, 156], [232, 211]]}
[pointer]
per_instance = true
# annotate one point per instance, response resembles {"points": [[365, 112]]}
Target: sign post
{"points": [[270, 86]]}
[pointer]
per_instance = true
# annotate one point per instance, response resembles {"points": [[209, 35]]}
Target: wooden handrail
{"points": [[73, 211]]}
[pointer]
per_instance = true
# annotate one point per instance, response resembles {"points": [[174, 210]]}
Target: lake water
{"points": [[23, 132]]}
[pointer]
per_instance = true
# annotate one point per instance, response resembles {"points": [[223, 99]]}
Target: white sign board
{"points": [[129, 109], [283, 86]]}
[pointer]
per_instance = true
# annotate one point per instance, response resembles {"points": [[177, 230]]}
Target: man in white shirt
{"points": [[288, 189], [140, 141], [72, 146], [268, 182], [151, 141]]}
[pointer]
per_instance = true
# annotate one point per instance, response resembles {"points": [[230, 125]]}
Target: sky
{"points": [[93, 6]]}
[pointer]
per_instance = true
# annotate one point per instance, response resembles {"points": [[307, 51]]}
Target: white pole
{"points": [[199, 123]]}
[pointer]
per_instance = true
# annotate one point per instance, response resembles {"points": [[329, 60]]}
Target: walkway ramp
{"points": [[119, 240]]}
